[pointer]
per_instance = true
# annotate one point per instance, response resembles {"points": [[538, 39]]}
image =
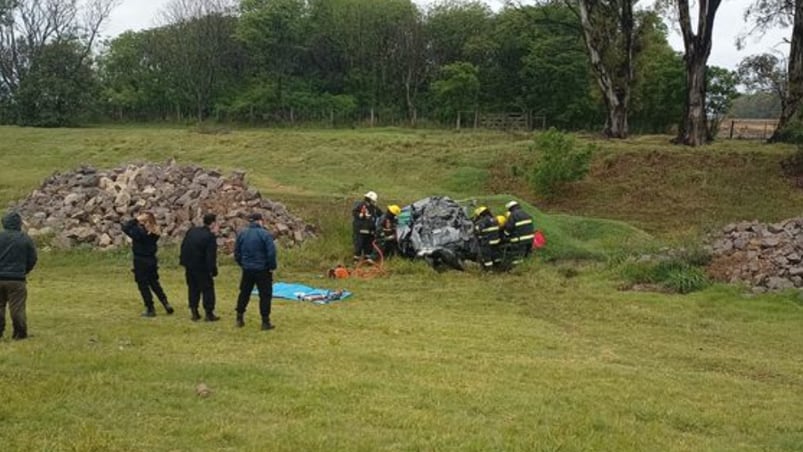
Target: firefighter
{"points": [[386, 230], [489, 237], [364, 215], [519, 231]]}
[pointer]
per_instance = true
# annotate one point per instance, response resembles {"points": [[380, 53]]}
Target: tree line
{"points": [[579, 64]]}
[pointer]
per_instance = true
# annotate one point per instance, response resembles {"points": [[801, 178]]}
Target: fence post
{"points": [[733, 124], [458, 120], [765, 131]]}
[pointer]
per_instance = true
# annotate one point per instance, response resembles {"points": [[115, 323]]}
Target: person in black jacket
{"points": [[386, 231], [255, 253], [489, 238], [364, 215], [144, 233], [519, 230], [199, 258], [17, 259]]}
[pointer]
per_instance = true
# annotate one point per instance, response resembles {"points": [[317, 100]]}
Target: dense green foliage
{"points": [[352, 61], [759, 105]]}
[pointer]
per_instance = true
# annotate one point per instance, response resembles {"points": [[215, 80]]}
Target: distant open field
{"points": [[552, 356], [747, 129]]}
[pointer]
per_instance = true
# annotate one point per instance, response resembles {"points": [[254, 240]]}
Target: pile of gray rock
{"points": [[767, 257], [87, 206]]}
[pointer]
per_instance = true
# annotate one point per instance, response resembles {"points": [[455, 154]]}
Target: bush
{"points": [[681, 274], [686, 280], [561, 162]]}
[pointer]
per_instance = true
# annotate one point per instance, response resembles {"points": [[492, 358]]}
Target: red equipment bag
{"points": [[539, 240]]}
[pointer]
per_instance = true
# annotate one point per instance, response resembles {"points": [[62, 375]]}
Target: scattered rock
{"points": [[202, 390]]}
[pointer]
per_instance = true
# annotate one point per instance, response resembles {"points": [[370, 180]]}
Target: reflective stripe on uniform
{"points": [[491, 229], [365, 231], [527, 237], [494, 242], [488, 264], [523, 222]]}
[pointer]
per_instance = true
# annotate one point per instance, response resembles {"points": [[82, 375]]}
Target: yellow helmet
{"points": [[501, 219], [479, 211], [394, 209]]}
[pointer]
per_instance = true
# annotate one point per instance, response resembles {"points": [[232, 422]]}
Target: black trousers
{"points": [[363, 245], [490, 257], [263, 280], [198, 284], [389, 248], [146, 274], [14, 294]]}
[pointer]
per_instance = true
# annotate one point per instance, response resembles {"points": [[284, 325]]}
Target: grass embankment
{"points": [[539, 359], [672, 191]]}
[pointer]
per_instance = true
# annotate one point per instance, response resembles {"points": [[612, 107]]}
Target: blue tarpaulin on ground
{"points": [[300, 292]]}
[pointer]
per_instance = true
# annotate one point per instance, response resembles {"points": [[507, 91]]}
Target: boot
{"points": [[167, 306], [211, 317], [266, 325], [240, 322], [149, 312], [196, 316], [19, 335]]}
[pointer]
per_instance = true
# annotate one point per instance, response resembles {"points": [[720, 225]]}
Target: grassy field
{"points": [[550, 357]]}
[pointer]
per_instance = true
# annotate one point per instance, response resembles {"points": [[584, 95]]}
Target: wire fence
{"points": [[748, 129]]}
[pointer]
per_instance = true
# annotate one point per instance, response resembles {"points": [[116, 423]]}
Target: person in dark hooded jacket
{"points": [[17, 259], [144, 233]]}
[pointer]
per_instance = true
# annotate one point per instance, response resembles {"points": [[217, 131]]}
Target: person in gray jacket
{"points": [[255, 253], [17, 259]]}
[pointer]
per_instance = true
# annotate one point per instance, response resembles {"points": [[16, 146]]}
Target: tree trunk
{"points": [[616, 123], [410, 96], [615, 90], [794, 91], [694, 129]]}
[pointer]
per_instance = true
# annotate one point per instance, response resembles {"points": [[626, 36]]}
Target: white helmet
{"points": [[511, 205], [372, 196]]}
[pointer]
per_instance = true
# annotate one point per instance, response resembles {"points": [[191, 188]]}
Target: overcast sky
{"points": [[139, 14]]}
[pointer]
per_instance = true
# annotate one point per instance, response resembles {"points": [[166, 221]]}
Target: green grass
{"points": [[548, 357]]}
